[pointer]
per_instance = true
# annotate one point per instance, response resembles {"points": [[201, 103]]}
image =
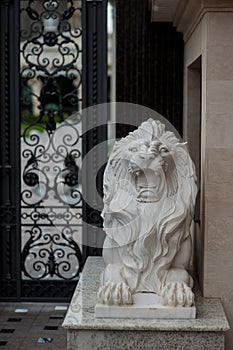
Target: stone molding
{"points": [[190, 12]]}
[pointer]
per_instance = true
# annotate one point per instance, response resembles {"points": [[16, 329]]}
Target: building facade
{"points": [[206, 121]]}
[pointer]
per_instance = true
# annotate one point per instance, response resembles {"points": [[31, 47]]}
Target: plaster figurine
{"points": [[149, 199]]}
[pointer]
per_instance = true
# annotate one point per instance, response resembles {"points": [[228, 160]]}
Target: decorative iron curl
{"points": [[51, 255], [59, 35]]}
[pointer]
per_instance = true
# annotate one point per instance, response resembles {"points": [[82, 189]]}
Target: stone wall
{"points": [[208, 31]]}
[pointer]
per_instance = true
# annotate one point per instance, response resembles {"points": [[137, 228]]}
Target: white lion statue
{"points": [[149, 199]]}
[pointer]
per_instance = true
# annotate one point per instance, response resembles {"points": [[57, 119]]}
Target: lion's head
{"points": [[149, 191]]}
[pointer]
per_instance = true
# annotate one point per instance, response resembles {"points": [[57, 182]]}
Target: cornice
{"points": [[190, 12]]}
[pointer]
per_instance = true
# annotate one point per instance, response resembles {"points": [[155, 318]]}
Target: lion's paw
{"points": [[177, 294], [115, 294]]}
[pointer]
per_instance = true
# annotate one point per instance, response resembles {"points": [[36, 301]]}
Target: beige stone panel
{"points": [[219, 131], [220, 28], [219, 234], [218, 273], [220, 91], [219, 114], [218, 201], [220, 166], [220, 62], [220, 108]]}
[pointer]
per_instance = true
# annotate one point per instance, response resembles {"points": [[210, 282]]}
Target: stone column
{"points": [[207, 26]]}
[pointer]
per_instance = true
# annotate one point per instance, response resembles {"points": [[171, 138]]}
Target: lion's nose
{"points": [[146, 156]]}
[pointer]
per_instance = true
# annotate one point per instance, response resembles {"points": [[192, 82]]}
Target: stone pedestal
{"points": [[86, 332]]}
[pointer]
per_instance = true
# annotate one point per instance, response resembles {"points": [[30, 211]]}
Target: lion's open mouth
{"points": [[147, 183], [133, 169]]}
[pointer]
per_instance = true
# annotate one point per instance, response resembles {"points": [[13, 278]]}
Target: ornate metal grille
{"points": [[51, 200], [41, 197]]}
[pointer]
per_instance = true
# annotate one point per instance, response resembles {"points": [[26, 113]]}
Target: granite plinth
{"points": [[146, 305], [85, 331]]}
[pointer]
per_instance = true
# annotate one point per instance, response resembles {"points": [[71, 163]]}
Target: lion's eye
{"points": [[133, 149], [163, 150]]}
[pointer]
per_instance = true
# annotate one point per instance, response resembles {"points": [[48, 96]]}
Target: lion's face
{"points": [[147, 163], [145, 154]]}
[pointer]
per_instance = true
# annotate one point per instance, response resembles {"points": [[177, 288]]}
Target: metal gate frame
{"points": [[94, 18]]}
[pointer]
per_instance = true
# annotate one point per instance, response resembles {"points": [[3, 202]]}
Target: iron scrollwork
{"points": [[50, 255], [51, 200]]}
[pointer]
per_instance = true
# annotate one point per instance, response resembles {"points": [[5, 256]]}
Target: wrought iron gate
{"points": [[53, 55]]}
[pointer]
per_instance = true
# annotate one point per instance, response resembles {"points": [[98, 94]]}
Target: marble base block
{"points": [[86, 332], [146, 305]]}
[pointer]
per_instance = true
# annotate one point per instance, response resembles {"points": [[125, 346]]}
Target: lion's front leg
{"points": [[178, 284], [114, 289], [177, 288]]}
